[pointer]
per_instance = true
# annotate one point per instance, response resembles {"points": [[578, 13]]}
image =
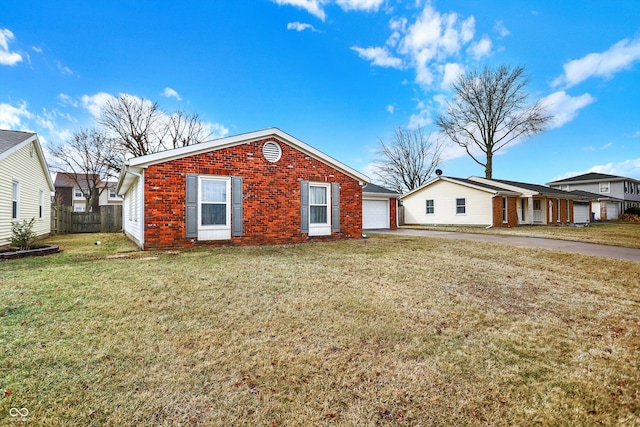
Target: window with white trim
{"points": [[77, 193], [431, 209], [112, 193], [461, 206], [319, 209], [604, 187], [15, 201], [557, 210], [214, 202]]}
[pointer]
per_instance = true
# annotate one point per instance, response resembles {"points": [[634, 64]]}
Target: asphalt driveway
{"points": [[616, 252]]}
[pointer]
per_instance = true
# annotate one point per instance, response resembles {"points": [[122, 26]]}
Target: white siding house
{"points": [[25, 184], [133, 211], [446, 201]]}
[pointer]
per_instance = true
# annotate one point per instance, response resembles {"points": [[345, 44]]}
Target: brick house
{"points": [[263, 187]]}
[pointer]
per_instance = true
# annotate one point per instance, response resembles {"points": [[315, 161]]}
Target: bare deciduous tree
{"points": [[408, 160], [143, 128], [489, 110], [89, 158]]}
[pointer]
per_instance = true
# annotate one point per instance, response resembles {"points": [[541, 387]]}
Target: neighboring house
{"points": [[110, 196], [25, 184], [379, 207], [614, 194], [488, 202], [70, 189], [263, 187]]}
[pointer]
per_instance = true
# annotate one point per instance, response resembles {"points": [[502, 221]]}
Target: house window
{"points": [[15, 201], [461, 208], [523, 211], [430, 207], [505, 217], [558, 210], [112, 193], [41, 205], [214, 202], [604, 187], [77, 193], [318, 206], [78, 209], [568, 211]]}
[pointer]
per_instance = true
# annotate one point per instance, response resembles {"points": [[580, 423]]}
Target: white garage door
{"points": [[581, 213], [612, 211], [375, 213]]}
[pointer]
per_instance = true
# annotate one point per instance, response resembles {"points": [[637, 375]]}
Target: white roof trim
{"points": [[454, 181], [217, 144], [32, 139]]}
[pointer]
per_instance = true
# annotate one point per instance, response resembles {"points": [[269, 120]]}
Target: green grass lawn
{"points": [[625, 234], [384, 331]]}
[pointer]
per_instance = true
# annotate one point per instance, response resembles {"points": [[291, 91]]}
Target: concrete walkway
{"points": [[615, 252]]}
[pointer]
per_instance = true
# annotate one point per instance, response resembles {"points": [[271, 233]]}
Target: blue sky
{"points": [[336, 74]]}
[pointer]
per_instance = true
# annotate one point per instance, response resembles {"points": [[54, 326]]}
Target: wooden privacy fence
{"points": [[107, 220]]}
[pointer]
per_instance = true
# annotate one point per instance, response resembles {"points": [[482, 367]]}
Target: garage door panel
{"points": [[375, 214]]}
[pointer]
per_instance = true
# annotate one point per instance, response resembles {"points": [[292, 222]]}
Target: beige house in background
{"points": [[25, 184]]}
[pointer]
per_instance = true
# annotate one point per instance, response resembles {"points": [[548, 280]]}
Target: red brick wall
{"points": [[563, 212], [393, 224], [271, 203], [512, 212]]}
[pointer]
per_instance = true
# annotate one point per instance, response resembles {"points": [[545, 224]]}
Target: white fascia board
{"points": [[217, 144], [43, 162], [128, 174]]}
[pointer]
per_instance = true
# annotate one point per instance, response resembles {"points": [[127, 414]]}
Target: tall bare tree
{"points": [[489, 110], [408, 160], [142, 127], [88, 158]]}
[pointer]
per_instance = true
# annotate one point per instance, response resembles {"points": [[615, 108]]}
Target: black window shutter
{"points": [[335, 207], [236, 206], [191, 215], [304, 207]]}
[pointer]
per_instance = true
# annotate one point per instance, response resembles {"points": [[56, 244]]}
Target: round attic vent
{"points": [[272, 151]]}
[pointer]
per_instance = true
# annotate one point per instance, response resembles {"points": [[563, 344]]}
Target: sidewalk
{"points": [[615, 252]]}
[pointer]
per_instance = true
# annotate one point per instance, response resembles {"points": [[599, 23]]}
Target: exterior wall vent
{"points": [[271, 151]]}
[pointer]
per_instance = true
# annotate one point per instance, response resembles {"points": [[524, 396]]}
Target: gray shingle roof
{"points": [[373, 188], [11, 138], [592, 176], [542, 189]]}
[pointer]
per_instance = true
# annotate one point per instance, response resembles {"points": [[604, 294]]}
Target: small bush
{"points": [[22, 234], [634, 210], [626, 217]]}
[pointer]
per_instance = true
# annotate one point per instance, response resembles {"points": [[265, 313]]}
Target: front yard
{"points": [[383, 331], [626, 234]]}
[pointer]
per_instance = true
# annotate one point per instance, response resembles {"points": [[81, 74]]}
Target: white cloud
{"points": [[64, 69], [216, 130], [64, 99], [366, 5], [481, 48], [7, 57], [607, 145], [314, 7], [11, 117], [621, 56], [391, 109], [564, 107], [95, 103], [428, 44], [451, 73], [378, 56], [299, 26], [500, 28], [171, 93], [36, 49]]}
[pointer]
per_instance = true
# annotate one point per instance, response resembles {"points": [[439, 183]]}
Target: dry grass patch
{"points": [[385, 331], [625, 234]]}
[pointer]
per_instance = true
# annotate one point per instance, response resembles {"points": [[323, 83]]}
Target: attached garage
{"points": [[581, 213], [612, 210], [379, 207], [375, 213]]}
